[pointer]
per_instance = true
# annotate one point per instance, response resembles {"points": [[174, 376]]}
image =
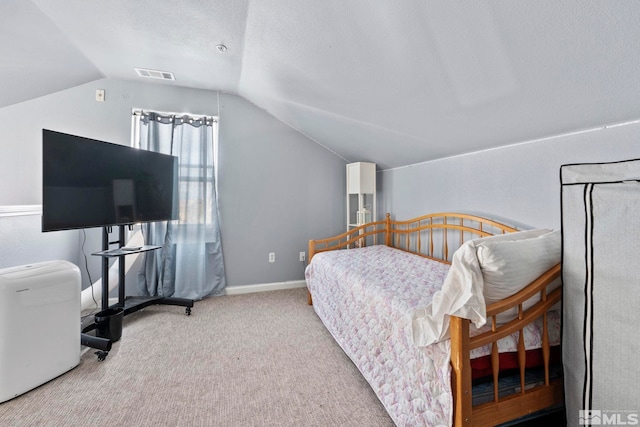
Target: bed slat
{"points": [[546, 351], [495, 367], [522, 359]]}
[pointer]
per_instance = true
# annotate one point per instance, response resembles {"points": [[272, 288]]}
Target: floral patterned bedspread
{"points": [[365, 297]]}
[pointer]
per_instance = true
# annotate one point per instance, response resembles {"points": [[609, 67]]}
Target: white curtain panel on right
{"points": [[601, 303]]}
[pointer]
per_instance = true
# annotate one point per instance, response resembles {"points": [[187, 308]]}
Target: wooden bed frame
{"points": [[437, 236]]}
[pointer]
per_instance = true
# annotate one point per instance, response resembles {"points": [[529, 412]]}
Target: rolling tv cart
{"points": [[106, 336]]}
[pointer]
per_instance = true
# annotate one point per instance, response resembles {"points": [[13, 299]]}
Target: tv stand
{"points": [[129, 304]]}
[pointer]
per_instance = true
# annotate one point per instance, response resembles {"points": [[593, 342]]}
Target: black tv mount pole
{"points": [[129, 304]]}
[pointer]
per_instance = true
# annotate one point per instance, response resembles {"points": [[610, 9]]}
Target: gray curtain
{"points": [[190, 263]]}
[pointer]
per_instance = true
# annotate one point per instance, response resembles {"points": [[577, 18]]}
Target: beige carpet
{"points": [[261, 359]]}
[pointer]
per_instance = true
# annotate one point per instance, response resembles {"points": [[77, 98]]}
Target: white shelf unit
{"points": [[361, 193]]}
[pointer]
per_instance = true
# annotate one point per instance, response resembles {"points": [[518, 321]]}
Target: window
{"points": [[194, 139]]}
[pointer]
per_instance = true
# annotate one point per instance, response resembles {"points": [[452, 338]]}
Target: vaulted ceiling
{"points": [[393, 82]]}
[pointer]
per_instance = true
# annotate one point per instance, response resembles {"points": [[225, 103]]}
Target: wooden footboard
{"points": [[528, 400]]}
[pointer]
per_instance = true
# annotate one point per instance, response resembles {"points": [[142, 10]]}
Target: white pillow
{"points": [[516, 235], [509, 265], [462, 291]]}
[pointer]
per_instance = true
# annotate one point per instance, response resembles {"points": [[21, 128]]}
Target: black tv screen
{"points": [[89, 183]]}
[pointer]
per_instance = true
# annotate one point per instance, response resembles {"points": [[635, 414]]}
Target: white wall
{"points": [[77, 112], [518, 183], [23, 243], [278, 189]]}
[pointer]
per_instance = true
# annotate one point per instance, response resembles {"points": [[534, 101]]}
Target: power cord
{"points": [[86, 267]]}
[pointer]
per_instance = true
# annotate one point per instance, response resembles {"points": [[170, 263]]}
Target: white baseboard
{"points": [[248, 289], [262, 287]]}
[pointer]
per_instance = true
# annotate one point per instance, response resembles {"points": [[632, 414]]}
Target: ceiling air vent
{"points": [[154, 74]]}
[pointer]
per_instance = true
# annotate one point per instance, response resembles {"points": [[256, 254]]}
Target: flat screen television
{"points": [[88, 183]]}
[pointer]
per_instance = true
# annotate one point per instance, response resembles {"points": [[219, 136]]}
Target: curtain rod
{"points": [[139, 112]]}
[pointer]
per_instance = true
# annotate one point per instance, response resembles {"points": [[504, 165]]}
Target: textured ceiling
{"points": [[394, 82]]}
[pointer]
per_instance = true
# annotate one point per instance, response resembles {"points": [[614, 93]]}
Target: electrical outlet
{"points": [[303, 256], [272, 257]]}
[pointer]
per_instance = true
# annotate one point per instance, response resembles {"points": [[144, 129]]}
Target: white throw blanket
{"points": [[461, 295]]}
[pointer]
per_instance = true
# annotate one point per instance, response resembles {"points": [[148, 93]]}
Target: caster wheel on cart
{"points": [[101, 355]]}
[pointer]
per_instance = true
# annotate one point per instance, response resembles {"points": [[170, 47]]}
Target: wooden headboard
{"points": [[434, 236]]}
